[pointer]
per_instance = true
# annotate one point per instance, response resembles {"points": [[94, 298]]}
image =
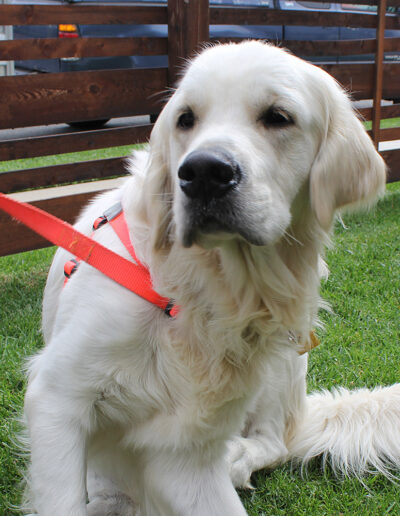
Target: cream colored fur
{"points": [[154, 416]]}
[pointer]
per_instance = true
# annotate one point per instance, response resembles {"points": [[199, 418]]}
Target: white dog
{"points": [[131, 412]]}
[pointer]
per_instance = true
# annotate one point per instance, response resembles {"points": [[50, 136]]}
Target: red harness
{"points": [[132, 275], [116, 218]]}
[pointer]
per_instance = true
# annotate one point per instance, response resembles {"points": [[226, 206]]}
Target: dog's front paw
{"points": [[248, 454], [240, 463], [115, 505]]}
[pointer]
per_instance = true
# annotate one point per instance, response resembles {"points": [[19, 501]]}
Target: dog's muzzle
{"points": [[208, 174]]}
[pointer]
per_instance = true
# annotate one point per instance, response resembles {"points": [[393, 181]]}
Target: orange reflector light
{"points": [[69, 27], [67, 30]]}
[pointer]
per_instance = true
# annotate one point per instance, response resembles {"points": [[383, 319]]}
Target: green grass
{"points": [[386, 123], [390, 122], [22, 279], [69, 157], [359, 347]]}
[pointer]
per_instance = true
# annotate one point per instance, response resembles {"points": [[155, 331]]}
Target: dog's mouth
{"points": [[213, 229], [210, 226]]}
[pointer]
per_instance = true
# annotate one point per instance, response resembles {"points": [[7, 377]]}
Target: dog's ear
{"points": [[347, 171], [157, 195]]}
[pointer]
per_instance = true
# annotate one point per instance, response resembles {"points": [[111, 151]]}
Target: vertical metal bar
{"points": [[379, 56], [188, 27]]}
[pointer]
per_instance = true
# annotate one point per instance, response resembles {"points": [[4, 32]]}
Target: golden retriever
{"points": [[131, 412]]}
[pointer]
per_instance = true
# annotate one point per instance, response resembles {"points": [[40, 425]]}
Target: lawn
{"points": [[68, 157], [359, 347]]}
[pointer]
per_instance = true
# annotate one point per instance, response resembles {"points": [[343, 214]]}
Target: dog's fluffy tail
{"points": [[357, 432]]}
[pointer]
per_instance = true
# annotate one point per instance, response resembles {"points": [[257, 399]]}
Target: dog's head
{"points": [[249, 127]]}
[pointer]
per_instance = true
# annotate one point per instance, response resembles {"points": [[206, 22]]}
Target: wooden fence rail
{"points": [[262, 16], [50, 48], [76, 96], [40, 99], [82, 14]]}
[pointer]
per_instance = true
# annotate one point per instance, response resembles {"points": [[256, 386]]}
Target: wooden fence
{"points": [[31, 100]]}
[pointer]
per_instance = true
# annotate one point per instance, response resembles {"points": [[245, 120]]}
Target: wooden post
{"points": [[379, 56], [188, 27]]}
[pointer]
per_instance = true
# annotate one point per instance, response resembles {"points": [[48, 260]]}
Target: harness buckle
{"points": [[168, 309], [70, 267], [100, 221], [107, 216]]}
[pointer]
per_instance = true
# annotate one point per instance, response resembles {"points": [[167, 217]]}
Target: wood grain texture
{"points": [[79, 96], [188, 28], [330, 48], [390, 111], [51, 48], [261, 16], [392, 159], [82, 14], [359, 79], [61, 174]]}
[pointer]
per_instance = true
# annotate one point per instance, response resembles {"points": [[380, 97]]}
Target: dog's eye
{"points": [[186, 120], [276, 118]]}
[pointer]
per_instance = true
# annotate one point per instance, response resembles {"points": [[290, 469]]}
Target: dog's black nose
{"points": [[208, 174]]}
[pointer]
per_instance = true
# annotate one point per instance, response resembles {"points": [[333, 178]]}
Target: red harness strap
{"points": [[116, 218], [133, 276]]}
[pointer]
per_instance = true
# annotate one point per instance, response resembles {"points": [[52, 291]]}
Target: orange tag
{"points": [[312, 343]]}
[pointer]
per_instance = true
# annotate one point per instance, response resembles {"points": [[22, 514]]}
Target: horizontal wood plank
{"points": [[79, 96], [332, 48], [391, 3], [340, 48], [389, 134], [141, 14], [82, 14], [322, 48], [15, 237], [391, 111], [61, 174], [366, 2], [392, 159], [73, 142], [359, 79], [51, 48], [261, 16]]}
